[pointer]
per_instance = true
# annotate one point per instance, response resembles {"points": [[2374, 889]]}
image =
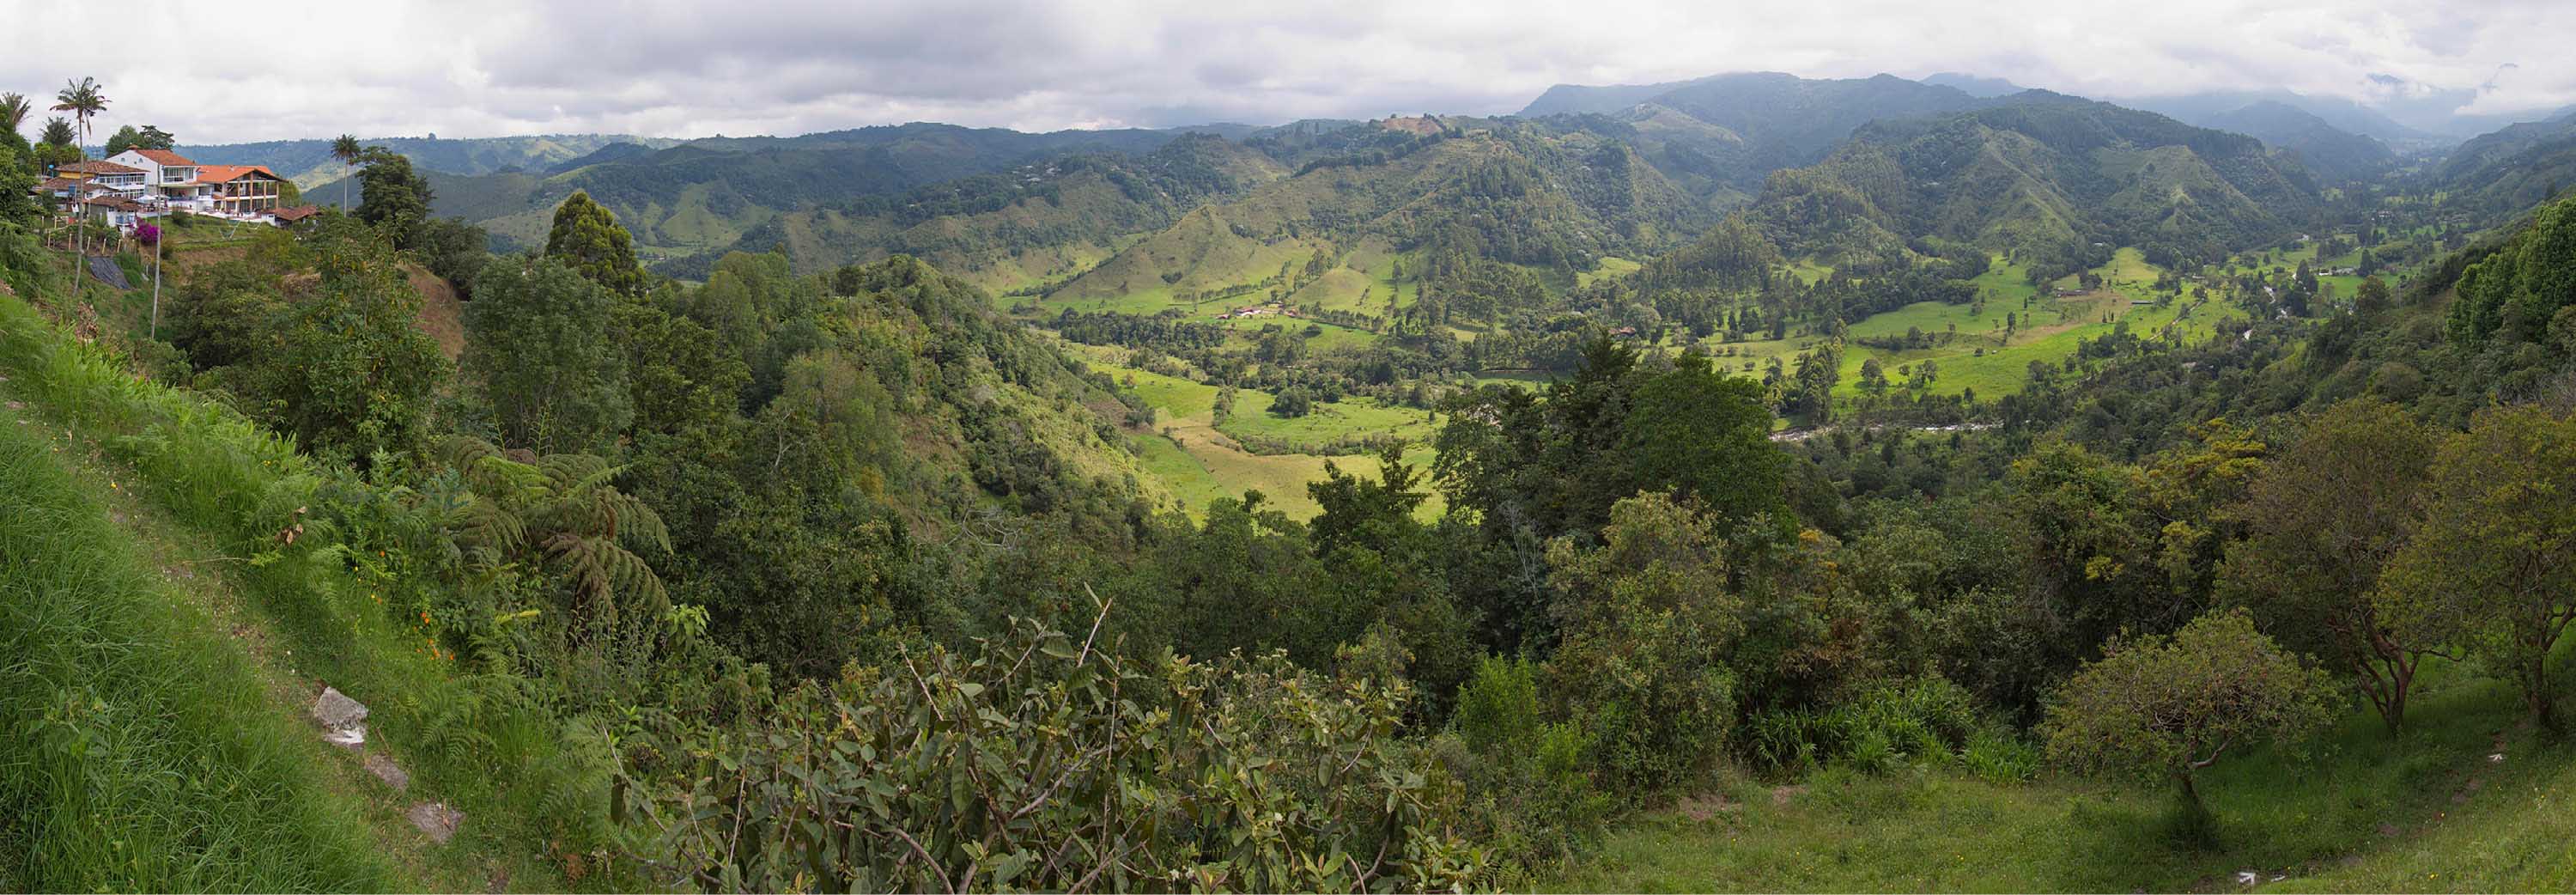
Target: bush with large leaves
{"points": [[1038, 761]]}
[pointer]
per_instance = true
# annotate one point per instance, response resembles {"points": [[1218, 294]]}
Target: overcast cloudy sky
{"points": [[238, 71]]}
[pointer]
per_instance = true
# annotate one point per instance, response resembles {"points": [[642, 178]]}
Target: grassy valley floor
{"points": [[2429, 810]]}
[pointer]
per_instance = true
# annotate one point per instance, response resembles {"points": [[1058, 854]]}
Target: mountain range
{"points": [[1580, 173]]}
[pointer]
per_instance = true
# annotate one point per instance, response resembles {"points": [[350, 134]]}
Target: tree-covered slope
{"points": [[310, 163], [2333, 153], [2041, 174], [1725, 132], [2497, 175], [1518, 193], [702, 195], [1039, 222]]}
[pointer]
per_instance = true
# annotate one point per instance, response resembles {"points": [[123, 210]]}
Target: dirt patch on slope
{"points": [[442, 314]]}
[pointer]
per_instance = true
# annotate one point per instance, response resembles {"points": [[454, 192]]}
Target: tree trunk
{"points": [[2535, 690]]}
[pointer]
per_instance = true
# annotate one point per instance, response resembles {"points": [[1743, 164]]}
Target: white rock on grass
{"points": [[343, 719]]}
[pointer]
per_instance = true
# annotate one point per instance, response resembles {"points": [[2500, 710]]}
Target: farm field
{"points": [[1199, 461]]}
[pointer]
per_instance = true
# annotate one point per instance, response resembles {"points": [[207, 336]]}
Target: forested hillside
{"points": [[701, 195], [2048, 177], [310, 163], [1040, 223], [1756, 484]]}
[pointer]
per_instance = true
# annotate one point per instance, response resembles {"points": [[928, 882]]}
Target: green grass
{"points": [[1328, 423], [219, 489], [2363, 811], [140, 753], [1983, 358]]}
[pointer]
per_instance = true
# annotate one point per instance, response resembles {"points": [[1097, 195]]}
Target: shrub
{"points": [[1039, 762]]}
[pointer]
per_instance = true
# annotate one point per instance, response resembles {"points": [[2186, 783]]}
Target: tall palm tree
{"points": [[345, 149], [83, 99], [13, 111]]}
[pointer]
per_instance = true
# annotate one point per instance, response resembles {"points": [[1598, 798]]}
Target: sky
{"points": [[466, 68]]}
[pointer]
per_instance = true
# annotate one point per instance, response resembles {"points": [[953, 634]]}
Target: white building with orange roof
{"points": [[169, 175], [240, 189]]}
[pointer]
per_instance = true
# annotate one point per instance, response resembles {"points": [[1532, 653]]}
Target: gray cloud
{"points": [[667, 68]]}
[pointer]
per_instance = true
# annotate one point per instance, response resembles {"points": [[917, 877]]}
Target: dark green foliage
{"points": [[397, 200], [1924, 719], [2514, 295], [2322, 522], [586, 238], [1705, 435], [1648, 625], [453, 250], [148, 137], [345, 370], [538, 342]]}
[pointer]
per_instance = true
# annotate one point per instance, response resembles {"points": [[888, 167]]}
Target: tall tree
{"points": [[397, 199], [347, 150], [59, 132], [2492, 573], [537, 339], [125, 138], [13, 111], [587, 237], [1706, 435], [2322, 521], [351, 372], [84, 100]]}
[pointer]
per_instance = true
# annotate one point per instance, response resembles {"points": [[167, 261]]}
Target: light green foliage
{"points": [[141, 754], [538, 342], [1041, 761], [587, 238], [2161, 707], [2492, 571]]}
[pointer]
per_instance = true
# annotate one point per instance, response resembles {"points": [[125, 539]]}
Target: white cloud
{"points": [[655, 67]]}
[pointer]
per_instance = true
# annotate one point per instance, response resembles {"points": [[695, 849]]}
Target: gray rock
{"points": [[386, 770], [336, 709], [437, 820]]}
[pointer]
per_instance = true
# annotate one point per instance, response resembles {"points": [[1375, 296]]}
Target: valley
{"points": [[1750, 482]]}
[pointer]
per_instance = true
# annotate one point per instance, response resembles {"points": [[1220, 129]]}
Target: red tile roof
{"points": [[97, 167], [166, 157], [297, 213], [228, 173], [113, 203]]}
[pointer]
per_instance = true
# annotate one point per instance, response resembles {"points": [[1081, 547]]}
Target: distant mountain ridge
{"points": [[309, 162], [689, 197], [2332, 152], [2053, 177]]}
